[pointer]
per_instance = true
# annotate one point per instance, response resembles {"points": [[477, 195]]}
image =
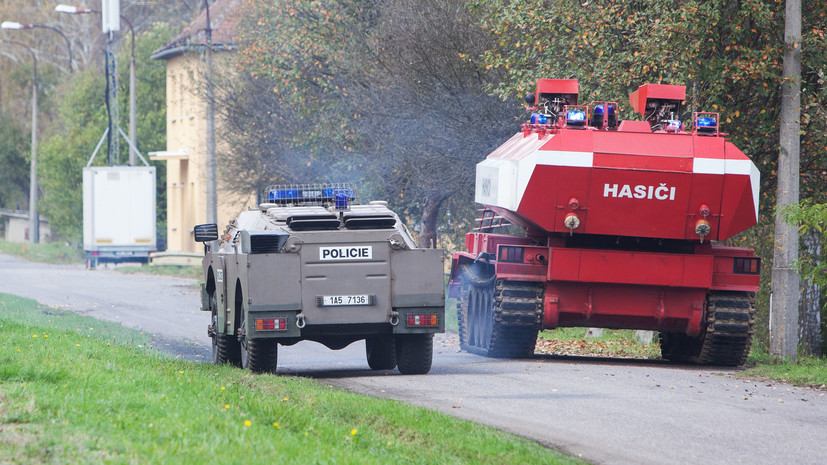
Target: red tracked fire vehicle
{"points": [[622, 223]]}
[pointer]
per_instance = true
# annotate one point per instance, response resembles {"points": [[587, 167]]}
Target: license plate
{"points": [[345, 300]]}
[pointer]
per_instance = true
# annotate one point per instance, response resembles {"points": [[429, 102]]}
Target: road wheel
{"points": [[381, 352], [258, 355], [225, 347], [679, 347], [476, 318], [414, 353]]}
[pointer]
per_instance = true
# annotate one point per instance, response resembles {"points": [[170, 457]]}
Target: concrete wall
{"points": [[17, 230]]}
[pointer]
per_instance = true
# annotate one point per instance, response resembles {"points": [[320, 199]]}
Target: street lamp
{"points": [[34, 220], [133, 132], [16, 25]]}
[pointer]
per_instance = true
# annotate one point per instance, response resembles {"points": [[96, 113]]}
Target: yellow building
{"points": [[185, 155]]}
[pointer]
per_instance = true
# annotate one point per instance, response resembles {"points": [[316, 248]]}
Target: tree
{"points": [[80, 124], [14, 177], [728, 53], [391, 93]]}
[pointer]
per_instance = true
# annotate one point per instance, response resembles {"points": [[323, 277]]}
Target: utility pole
{"points": [[212, 213], [785, 279], [34, 216], [113, 148]]}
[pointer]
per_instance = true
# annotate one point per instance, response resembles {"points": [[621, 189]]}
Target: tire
{"points": [[259, 355], [225, 347], [380, 352], [414, 353]]}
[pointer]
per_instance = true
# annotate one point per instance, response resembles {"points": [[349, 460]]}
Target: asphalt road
{"points": [[607, 411]]}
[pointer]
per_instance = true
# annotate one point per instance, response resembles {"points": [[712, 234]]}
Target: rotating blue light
{"points": [[706, 122], [537, 118], [598, 110]]}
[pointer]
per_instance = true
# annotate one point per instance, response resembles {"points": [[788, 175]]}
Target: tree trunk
{"points": [[811, 302], [785, 279], [430, 214]]}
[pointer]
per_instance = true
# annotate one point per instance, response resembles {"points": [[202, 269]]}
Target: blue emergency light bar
{"points": [[312, 194], [538, 118]]}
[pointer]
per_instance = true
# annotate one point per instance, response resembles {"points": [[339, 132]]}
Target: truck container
{"points": [[118, 214]]}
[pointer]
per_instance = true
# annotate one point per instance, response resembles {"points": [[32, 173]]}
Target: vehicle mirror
{"points": [[206, 232]]}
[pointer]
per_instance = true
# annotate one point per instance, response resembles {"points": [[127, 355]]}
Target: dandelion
{"points": [[223, 388], [353, 432], [285, 399], [247, 423], [77, 345], [34, 335], [277, 425], [181, 372], [226, 406]]}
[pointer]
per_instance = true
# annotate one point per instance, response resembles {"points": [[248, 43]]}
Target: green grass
{"points": [[806, 371], [46, 253], [56, 253], [77, 390]]}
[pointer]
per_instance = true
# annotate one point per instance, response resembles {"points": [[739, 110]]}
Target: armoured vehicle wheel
{"points": [[225, 347], [500, 319], [728, 335], [258, 355], [381, 352], [476, 318], [414, 353]]}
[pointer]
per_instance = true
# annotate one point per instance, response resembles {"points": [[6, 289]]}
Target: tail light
{"points": [[423, 319], [510, 254], [747, 266], [271, 324]]}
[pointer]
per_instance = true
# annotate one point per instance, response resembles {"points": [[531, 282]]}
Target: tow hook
{"points": [[210, 331]]}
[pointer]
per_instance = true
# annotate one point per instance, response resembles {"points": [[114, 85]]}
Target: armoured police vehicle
{"points": [[309, 264]]}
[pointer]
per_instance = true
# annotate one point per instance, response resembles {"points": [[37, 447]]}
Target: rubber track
{"points": [[518, 314], [730, 326]]}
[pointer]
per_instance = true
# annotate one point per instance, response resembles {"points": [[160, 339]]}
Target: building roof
{"points": [[224, 18]]}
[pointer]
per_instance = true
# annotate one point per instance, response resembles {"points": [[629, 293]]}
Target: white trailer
{"points": [[118, 214]]}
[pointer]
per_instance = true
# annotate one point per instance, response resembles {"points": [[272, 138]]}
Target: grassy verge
{"points": [[46, 253], [806, 371], [77, 390], [62, 254]]}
